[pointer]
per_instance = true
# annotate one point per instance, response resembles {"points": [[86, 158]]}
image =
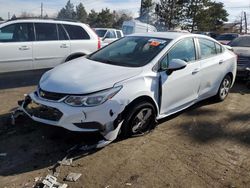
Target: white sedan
{"points": [[127, 86]]}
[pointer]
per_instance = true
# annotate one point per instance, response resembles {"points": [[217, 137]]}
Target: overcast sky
{"points": [[51, 7]]}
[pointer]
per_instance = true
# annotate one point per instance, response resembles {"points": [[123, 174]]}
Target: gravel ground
{"points": [[206, 145]]}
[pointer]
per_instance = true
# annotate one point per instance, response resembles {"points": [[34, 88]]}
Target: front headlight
{"points": [[94, 99]]}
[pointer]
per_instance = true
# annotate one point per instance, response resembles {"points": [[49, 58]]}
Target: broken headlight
{"points": [[94, 99]]}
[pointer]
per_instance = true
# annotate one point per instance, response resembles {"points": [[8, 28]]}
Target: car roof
{"points": [[42, 21], [168, 35]]}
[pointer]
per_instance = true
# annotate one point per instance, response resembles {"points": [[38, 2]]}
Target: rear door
{"points": [[52, 45], [180, 88], [213, 69], [80, 40], [16, 41]]}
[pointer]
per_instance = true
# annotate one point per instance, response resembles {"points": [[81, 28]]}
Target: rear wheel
{"points": [[224, 88], [140, 119]]}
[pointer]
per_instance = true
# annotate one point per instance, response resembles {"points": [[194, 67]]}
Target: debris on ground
{"points": [[73, 177], [51, 182], [36, 179], [3, 154], [66, 162], [128, 184]]}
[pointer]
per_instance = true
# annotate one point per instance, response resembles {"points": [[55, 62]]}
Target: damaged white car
{"points": [[127, 86]]}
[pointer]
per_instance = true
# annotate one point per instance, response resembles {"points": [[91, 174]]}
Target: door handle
{"points": [[24, 48], [64, 46], [221, 62], [196, 71]]}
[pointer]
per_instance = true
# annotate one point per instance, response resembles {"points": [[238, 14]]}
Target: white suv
{"points": [[36, 44]]}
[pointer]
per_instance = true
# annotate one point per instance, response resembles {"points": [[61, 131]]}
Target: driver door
{"points": [[180, 88]]}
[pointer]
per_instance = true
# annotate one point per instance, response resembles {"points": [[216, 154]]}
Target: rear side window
{"points": [[207, 48], [118, 33], [20, 32], [46, 31], [62, 33], [76, 32]]}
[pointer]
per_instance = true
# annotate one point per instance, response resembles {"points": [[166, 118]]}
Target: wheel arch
{"points": [[145, 98], [74, 56]]}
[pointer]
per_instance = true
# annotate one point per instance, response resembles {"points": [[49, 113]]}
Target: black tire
{"points": [[224, 89], [248, 84], [131, 120]]}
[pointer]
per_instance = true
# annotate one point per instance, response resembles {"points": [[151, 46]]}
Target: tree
{"points": [[212, 18], [92, 18], [67, 12], [170, 13], [105, 18], [1, 19], [146, 11], [120, 17], [81, 14]]}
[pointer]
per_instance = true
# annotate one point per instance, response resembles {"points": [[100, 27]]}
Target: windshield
{"points": [[131, 51], [101, 32], [227, 37], [241, 41]]}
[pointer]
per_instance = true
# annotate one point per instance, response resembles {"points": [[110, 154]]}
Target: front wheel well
{"points": [[138, 100], [231, 75]]}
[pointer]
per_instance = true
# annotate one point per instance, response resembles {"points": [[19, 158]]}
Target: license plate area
{"points": [[43, 112]]}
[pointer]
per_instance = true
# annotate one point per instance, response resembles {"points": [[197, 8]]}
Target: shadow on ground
{"points": [[20, 79], [31, 146]]}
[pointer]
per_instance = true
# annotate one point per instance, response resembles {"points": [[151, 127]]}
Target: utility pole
{"points": [[41, 10], [245, 18], [8, 15], [241, 23]]}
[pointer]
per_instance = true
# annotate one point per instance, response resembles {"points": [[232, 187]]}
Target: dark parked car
{"points": [[241, 46], [226, 38]]}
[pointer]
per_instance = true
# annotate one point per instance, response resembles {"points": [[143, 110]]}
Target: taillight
{"points": [[99, 43]]}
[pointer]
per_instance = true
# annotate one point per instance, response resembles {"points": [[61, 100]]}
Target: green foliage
{"points": [[202, 15], [81, 14], [119, 18], [146, 11], [92, 17], [212, 18], [67, 12], [170, 13]]}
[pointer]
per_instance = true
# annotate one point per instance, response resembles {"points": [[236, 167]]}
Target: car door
{"points": [[212, 62], [16, 42], [48, 50], [180, 88]]}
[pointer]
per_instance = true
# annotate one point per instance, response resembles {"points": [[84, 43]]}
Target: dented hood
{"points": [[82, 76]]}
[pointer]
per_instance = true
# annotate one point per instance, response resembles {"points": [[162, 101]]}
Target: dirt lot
{"points": [[207, 145]]}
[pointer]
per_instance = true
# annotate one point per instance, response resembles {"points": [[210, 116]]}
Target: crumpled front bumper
{"points": [[102, 118]]}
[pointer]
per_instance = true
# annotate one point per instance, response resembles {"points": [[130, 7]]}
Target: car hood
{"points": [[242, 51], [81, 76]]}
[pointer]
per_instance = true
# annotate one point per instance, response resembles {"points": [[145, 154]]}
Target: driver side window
{"points": [[184, 50]]}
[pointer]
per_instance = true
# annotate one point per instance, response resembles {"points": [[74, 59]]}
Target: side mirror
{"points": [[228, 47], [176, 64]]}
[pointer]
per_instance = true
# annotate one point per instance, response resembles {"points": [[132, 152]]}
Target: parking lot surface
{"points": [[207, 145]]}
